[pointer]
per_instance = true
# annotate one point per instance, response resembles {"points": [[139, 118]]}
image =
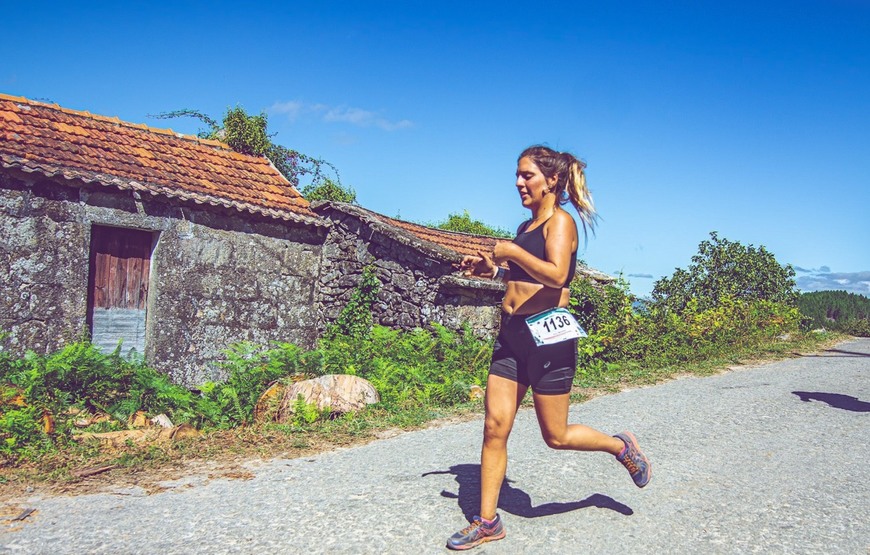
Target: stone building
{"points": [[415, 266], [178, 247]]}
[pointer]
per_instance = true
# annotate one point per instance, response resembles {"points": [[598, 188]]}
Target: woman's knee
{"points": [[496, 429], [555, 441]]}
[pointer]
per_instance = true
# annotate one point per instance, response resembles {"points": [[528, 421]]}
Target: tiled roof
{"points": [[55, 141], [463, 243], [442, 245], [447, 245]]}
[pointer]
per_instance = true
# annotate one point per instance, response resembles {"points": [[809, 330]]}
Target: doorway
{"points": [[120, 264]]}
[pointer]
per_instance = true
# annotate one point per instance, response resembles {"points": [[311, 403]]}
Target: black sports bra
{"points": [[533, 242]]}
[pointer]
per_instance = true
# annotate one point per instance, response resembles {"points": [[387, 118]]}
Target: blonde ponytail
{"points": [[578, 193]]}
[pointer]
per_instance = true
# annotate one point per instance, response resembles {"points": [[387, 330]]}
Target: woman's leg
{"points": [[503, 398], [552, 411]]}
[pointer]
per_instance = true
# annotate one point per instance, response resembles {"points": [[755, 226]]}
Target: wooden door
{"points": [[120, 263]]}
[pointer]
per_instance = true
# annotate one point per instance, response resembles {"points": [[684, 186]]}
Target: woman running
{"points": [[536, 345]]}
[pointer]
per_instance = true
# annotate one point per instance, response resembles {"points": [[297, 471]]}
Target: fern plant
{"points": [[355, 319]]}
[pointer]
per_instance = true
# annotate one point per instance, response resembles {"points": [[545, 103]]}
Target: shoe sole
{"points": [[478, 542], [633, 439]]}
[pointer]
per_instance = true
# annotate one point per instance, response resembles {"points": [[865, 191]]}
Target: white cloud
{"points": [[819, 280], [355, 116], [339, 114], [363, 118], [291, 108], [820, 269]]}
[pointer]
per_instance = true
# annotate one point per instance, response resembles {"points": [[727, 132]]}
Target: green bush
{"points": [[355, 319], [250, 370], [465, 224], [411, 368], [858, 328], [662, 338], [724, 268], [79, 376], [327, 189], [420, 368], [731, 297], [597, 305], [22, 430]]}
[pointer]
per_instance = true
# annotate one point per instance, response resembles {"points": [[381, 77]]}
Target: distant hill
{"points": [[836, 310]]}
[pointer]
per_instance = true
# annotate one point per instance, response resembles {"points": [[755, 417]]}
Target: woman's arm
{"points": [[560, 235]]}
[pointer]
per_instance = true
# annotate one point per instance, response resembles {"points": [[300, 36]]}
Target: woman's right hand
{"points": [[480, 266]]}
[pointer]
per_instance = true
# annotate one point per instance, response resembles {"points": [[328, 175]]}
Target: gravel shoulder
{"points": [[768, 458]]}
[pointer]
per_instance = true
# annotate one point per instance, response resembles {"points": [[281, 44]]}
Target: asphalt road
{"points": [[768, 459]]}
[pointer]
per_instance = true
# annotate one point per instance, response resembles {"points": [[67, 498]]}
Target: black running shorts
{"points": [[548, 369]]}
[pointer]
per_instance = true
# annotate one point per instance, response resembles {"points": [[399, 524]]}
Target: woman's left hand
{"points": [[480, 266]]}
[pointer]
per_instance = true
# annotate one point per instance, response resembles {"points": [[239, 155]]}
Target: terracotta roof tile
{"points": [[48, 139], [463, 243]]}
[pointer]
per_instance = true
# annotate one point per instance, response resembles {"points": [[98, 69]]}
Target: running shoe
{"points": [[633, 459], [476, 533]]}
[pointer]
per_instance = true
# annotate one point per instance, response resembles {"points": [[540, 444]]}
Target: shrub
{"points": [[724, 268], [465, 224], [858, 328], [663, 338], [251, 369], [411, 368], [41, 389], [596, 305], [328, 189]]}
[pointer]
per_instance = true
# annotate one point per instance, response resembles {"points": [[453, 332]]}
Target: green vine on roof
{"points": [[248, 134]]}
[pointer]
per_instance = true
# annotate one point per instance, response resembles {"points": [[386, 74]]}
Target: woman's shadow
{"points": [[515, 500]]}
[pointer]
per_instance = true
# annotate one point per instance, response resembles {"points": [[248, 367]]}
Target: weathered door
{"points": [[118, 287]]}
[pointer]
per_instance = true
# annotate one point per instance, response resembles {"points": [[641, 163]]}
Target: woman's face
{"points": [[531, 183]]}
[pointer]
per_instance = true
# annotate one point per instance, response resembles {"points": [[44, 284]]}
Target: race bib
{"points": [[554, 326]]}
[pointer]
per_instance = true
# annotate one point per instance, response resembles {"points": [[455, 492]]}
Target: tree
{"points": [[724, 268], [248, 134], [464, 223], [328, 189], [836, 310]]}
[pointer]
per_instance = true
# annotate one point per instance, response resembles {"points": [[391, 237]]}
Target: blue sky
{"points": [[751, 119]]}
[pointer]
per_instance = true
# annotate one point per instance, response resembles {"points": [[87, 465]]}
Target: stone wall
{"points": [[472, 302], [217, 276], [43, 265], [221, 279], [419, 285]]}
